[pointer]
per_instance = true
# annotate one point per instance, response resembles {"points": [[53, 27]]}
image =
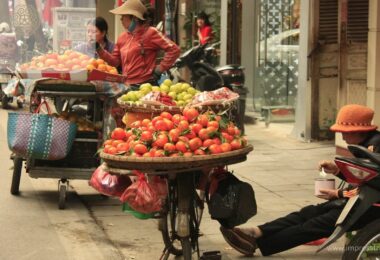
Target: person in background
{"points": [[137, 48], [314, 222], [97, 31], [204, 28]]}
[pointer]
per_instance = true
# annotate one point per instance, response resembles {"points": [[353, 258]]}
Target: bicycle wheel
{"points": [[168, 222], [175, 244]]}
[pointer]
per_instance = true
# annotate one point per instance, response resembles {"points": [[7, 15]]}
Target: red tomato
{"points": [[204, 134], [122, 147], [140, 149], [202, 120], [199, 152], [131, 138], [108, 142], [160, 141], [159, 153], [145, 122], [174, 135], [169, 147], [146, 136], [116, 142], [154, 120], [236, 144], [207, 142], [211, 129], [181, 146], [227, 137], [160, 125], [147, 154], [191, 134], [106, 147], [118, 134], [112, 150], [231, 129], [166, 115], [183, 139], [244, 141], [183, 125], [195, 143], [196, 127], [169, 124], [176, 118], [188, 154], [215, 149], [191, 114], [216, 140], [214, 124], [237, 131], [226, 147]]}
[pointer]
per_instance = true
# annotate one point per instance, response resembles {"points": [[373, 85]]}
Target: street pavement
{"points": [[280, 169]]}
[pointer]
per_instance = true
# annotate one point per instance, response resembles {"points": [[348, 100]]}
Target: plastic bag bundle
{"points": [[109, 184]]}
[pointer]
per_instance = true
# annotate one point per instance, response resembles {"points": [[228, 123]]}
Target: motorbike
{"points": [[205, 77], [362, 171]]}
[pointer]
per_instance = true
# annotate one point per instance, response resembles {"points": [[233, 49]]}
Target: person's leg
{"points": [[315, 228]]}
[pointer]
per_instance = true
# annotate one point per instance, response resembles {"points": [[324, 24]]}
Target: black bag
{"points": [[233, 202]]}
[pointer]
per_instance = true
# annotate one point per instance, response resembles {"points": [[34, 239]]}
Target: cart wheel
{"points": [[62, 196], [17, 167]]}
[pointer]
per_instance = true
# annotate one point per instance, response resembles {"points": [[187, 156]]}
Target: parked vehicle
{"points": [[362, 171], [207, 78]]}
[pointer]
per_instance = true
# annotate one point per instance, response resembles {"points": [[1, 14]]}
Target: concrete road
{"points": [[280, 169]]}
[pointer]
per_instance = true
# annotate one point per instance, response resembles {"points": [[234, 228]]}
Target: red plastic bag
{"points": [[141, 197], [159, 185], [109, 184]]}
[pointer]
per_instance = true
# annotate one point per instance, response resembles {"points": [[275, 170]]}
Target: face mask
{"points": [[132, 25]]}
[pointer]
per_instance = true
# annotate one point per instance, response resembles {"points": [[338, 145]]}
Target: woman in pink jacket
{"points": [[136, 49]]}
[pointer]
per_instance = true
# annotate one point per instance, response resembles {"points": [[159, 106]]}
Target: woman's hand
{"points": [[329, 167], [328, 194]]}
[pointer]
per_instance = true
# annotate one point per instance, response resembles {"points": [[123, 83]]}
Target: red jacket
{"points": [[137, 53]]}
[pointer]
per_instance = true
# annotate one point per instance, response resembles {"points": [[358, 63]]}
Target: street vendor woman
{"points": [[136, 49]]}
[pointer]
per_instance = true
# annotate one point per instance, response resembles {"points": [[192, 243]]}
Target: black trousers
{"points": [[310, 223]]}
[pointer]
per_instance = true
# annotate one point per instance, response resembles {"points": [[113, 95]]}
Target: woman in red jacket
{"points": [[136, 49], [204, 28]]}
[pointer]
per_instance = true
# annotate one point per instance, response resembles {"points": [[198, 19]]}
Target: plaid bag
{"points": [[40, 136]]}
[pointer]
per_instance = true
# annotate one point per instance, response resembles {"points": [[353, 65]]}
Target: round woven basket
{"points": [[173, 164], [147, 108]]}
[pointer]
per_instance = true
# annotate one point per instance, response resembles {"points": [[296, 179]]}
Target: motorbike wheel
{"points": [[365, 244]]}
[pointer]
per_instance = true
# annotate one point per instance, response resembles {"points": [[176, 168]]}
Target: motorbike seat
{"points": [[362, 152]]}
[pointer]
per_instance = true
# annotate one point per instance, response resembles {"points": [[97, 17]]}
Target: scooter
{"points": [[363, 170], [207, 78]]}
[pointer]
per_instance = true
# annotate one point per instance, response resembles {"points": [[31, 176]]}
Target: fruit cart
{"points": [[180, 216], [88, 108]]}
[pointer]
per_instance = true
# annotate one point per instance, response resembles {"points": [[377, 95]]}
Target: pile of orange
{"points": [[69, 60]]}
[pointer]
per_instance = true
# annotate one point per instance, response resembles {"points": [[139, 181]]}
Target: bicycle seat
{"points": [[362, 152]]}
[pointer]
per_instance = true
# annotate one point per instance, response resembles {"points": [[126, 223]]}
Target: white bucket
{"points": [[323, 183]]}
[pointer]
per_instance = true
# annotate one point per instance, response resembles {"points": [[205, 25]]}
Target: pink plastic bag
{"points": [[160, 185], [141, 197], [109, 184]]}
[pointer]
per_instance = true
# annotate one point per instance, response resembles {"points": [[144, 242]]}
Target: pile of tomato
{"points": [[186, 134]]}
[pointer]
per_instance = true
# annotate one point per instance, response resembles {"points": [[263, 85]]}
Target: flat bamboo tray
{"points": [[147, 108], [173, 164]]}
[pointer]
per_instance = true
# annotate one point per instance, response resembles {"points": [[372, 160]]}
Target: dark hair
{"points": [[202, 15], [149, 16], [101, 24]]}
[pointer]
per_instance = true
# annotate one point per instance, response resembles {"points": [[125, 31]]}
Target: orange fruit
{"points": [[113, 71], [73, 55], [93, 63], [102, 67], [50, 62], [84, 63], [76, 67], [63, 58], [90, 67], [100, 61]]}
